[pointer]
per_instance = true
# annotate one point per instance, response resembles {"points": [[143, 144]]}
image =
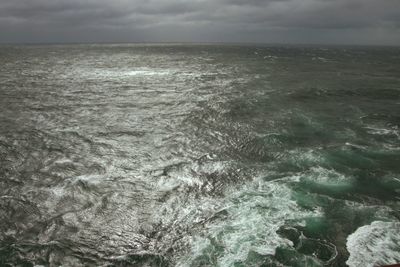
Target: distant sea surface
{"points": [[199, 155]]}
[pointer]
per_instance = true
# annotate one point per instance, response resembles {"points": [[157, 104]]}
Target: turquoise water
{"points": [[199, 155]]}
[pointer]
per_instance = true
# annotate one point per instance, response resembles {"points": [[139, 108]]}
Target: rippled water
{"points": [[199, 155]]}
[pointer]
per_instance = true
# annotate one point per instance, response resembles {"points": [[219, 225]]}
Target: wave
{"points": [[374, 245]]}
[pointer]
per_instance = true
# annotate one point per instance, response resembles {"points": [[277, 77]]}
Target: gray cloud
{"points": [[297, 21]]}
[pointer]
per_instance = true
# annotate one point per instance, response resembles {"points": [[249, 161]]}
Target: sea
{"points": [[199, 155]]}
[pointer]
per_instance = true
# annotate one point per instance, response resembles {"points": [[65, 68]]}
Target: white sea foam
{"points": [[254, 214], [191, 174], [383, 131], [327, 177], [310, 155], [374, 245], [58, 191]]}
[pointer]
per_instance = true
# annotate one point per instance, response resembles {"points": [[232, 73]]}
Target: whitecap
{"points": [[253, 217], [374, 245], [327, 177]]}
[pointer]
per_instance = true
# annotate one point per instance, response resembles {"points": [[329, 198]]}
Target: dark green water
{"points": [[199, 155]]}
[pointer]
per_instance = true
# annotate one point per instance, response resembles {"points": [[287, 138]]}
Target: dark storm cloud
{"points": [[321, 21]]}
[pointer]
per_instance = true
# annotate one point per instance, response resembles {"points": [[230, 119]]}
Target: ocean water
{"points": [[199, 155]]}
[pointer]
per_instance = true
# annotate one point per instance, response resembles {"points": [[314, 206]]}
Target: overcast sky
{"points": [[266, 21]]}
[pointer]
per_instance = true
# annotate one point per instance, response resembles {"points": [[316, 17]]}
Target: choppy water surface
{"points": [[199, 155]]}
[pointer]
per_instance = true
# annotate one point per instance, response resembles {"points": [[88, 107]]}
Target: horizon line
{"points": [[196, 43]]}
